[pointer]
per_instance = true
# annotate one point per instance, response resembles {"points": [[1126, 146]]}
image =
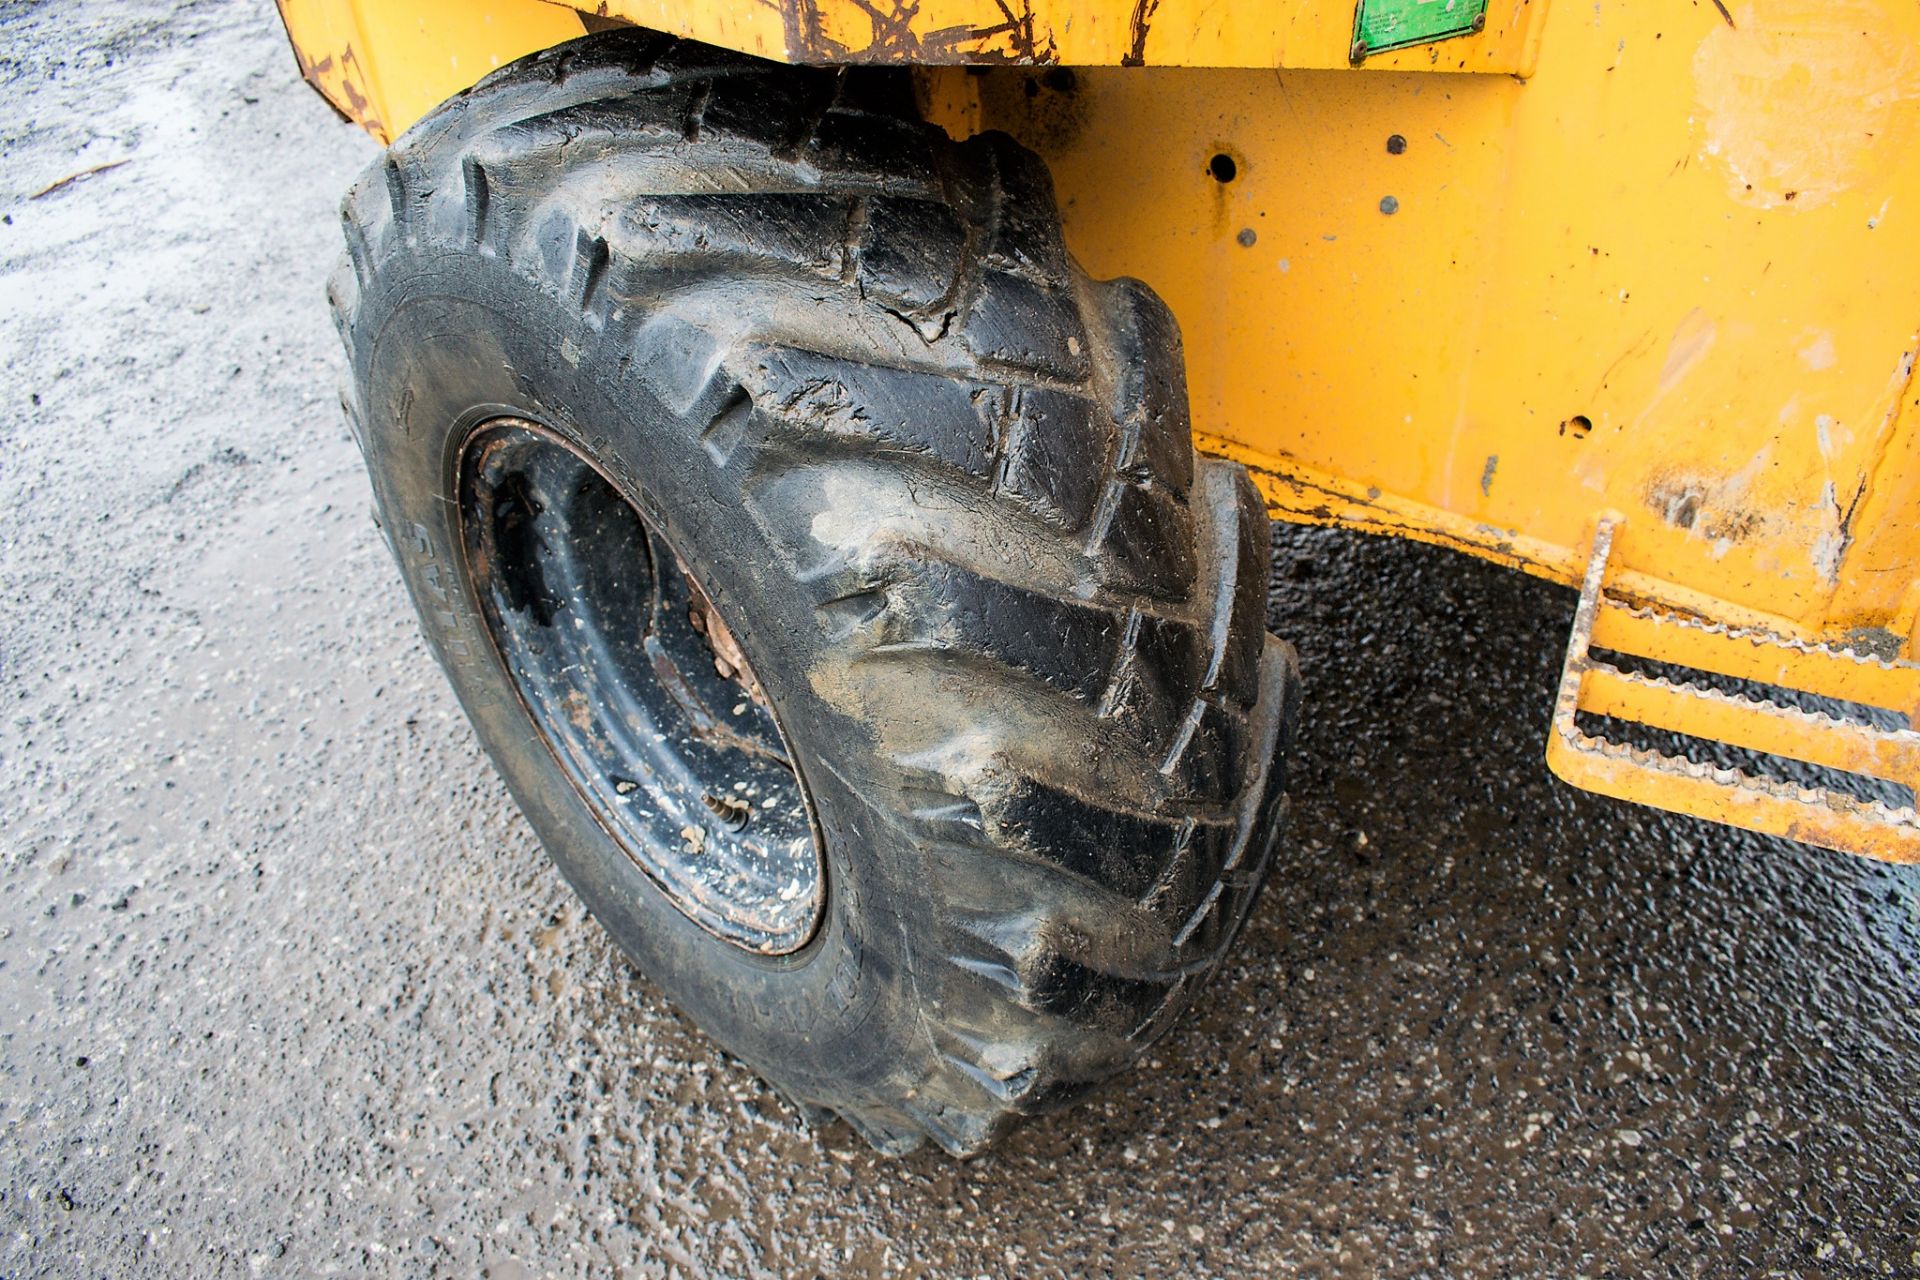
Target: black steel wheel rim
{"points": [[634, 682]]}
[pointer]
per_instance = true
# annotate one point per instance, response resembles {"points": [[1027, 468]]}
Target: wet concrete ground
{"points": [[287, 988]]}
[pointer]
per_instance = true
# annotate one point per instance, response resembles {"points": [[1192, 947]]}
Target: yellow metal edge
{"points": [[385, 65], [765, 29], [1162, 33], [1882, 583], [1762, 657], [1298, 494], [323, 35], [1823, 818], [1752, 725]]}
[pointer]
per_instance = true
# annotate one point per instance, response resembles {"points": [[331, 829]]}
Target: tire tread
{"points": [[625, 172]]}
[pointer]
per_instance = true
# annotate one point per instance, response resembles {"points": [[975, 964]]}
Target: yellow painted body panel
{"points": [[1676, 273], [384, 65]]}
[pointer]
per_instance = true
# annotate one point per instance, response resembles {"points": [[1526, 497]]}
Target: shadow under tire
{"points": [[646, 335]]}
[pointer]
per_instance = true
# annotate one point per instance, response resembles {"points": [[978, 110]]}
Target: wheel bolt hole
{"points": [[1222, 167], [733, 813]]}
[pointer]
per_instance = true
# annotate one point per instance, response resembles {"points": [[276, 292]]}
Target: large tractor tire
{"points": [[824, 562]]}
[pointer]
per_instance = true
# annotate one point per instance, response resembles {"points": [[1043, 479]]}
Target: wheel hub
{"points": [[636, 684]]}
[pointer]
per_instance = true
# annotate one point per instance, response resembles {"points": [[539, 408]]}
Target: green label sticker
{"points": [[1379, 25]]}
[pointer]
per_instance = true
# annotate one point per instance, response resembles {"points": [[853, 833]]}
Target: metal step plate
{"points": [[1816, 815]]}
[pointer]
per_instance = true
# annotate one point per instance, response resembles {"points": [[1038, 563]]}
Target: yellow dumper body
{"points": [[1626, 296]]}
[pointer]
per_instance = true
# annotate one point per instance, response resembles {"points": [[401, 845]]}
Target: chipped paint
{"points": [[1799, 104], [1831, 543], [1137, 27], [1823, 425], [1079, 33], [1713, 507], [896, 31], [1818, 354]]}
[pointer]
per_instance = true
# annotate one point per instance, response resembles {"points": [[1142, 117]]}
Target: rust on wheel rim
{"points": [[636, 684]]}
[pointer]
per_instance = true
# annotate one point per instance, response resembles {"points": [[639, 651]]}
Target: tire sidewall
{"points": [[444, 343]]}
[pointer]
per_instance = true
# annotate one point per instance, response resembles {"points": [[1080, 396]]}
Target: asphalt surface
{"points": [[288, 989]]}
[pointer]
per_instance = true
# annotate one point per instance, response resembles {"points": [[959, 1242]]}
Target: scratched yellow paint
{"points": [[1791, 101], [1166, 33], [429, 50], [385, 64]]}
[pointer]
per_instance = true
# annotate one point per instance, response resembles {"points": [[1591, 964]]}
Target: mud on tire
{"points": [[944, 489]]}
